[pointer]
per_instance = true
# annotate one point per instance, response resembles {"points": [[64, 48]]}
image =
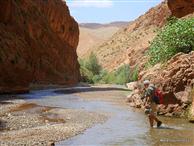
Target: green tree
{"points": [[86, 75], [134, 75], [91, 72], [177, 36], [123, 74], [93, 65]]}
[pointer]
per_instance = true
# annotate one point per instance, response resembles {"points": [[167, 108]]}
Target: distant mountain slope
{"points": [[94, 34], [129, 44], [99, 25]]}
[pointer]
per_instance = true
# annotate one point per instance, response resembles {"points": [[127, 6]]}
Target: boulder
{"points": [[135, 100], [174, 78], [131, 85], [185, 96]]}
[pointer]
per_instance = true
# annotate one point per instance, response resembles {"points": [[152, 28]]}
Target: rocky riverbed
{"points": [[26, 123]]}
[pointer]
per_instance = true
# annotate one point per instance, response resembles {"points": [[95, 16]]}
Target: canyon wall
{"points": [[38, 41], [180, 8]]}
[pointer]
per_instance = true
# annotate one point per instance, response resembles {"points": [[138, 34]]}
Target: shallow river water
{"points": [[125, 127]]}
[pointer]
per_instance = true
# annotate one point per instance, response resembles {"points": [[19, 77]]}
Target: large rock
{"points": [[180, 8], [131, 85], [175, 79], [38, 44], [174, 76], [134, 99]]}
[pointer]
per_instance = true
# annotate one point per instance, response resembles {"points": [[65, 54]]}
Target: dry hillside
{"points": [[131, 42], [94, 34]]}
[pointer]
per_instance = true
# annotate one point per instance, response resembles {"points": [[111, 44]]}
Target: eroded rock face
{"points": [[38, 41], [180, 8], [192, 107], [175, 79], [173, 76]]}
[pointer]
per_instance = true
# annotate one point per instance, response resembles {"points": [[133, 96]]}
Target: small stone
{"points": [[169, 114], [68, 118]]}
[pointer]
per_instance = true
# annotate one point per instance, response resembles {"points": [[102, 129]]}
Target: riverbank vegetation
{"points": [[176, 36], [92, 72]]}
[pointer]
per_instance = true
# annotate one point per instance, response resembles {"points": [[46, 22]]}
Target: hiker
{"points": [[151, 103]]}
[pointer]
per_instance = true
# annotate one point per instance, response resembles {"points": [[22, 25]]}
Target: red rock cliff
{"points": [[180, 8], [38, 41]]}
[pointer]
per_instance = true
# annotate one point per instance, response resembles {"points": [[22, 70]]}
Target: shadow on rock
{"points": [[2, 125], [5, 97]]}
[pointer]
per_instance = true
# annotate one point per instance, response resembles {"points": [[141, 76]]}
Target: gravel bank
{"points": [[23, 123]]}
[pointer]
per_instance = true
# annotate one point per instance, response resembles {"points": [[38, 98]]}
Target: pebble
{"points": [[68, 118], [25, 128]]}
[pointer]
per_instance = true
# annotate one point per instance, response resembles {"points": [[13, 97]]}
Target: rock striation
{"points": [[38, 41], [174, 78], [180, 8]]}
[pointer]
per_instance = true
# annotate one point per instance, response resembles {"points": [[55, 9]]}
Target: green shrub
{"points": [[134, 75], [122, 75], [177, 36], [90, 69], [109, 78], [91, 72], [86, 75], [92, 64]]}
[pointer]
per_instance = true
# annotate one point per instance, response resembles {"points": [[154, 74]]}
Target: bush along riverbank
{"points": [[92, 72]]}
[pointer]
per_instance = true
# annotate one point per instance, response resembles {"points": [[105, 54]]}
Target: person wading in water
{"points": [[151, 103]]}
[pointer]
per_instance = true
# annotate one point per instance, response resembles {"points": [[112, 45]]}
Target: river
{"points": [[126, 126]]}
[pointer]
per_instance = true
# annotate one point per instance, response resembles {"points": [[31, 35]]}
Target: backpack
{"points": [[158, 97]]}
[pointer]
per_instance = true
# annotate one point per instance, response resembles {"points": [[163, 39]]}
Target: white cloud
{"points": [[90, 3]]}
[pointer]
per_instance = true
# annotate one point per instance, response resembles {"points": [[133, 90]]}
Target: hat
{"points": [[146, 82]]}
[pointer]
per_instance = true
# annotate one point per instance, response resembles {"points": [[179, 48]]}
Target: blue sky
{"points": [[105, 11]]}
